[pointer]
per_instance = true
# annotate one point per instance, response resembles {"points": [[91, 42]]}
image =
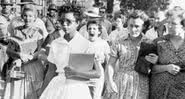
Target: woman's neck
{"points": [[178, 38], [136, 40]]}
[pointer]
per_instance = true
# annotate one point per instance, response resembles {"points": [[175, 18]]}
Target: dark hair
{"points": [[97, 23], [139, 14], [76, 10]]}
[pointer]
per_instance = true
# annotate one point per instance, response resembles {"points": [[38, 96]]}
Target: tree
{"points": [[110, 4], [144, 4]]}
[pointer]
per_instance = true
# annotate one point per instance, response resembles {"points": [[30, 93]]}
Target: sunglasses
{"points": [[68, 21]]}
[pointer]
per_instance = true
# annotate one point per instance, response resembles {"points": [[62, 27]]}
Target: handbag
{"points": [[16, 73]]}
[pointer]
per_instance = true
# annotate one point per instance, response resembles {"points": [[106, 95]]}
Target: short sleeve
{"points": [[114, 50], [107, 48], [51, 55]]}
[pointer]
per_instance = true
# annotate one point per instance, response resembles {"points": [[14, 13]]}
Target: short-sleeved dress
{"points": [[130, 84], [60, 87], [26, 88], [101, 50], [165, 85]]}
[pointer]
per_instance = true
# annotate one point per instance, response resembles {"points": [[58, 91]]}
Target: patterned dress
{"points": [[165, 85], [26, 88], [130, 84]]}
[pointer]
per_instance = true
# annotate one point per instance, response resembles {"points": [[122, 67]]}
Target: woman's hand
{"points": [[152, 58], [173, 69], [112, 87], [70, 72]]}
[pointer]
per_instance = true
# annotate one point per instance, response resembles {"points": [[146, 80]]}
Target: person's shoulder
{"points": [[19, 28], [162, 39]]}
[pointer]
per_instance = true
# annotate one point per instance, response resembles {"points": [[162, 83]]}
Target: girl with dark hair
{"points": [[126, 83], [70, 83], [101, 49]]}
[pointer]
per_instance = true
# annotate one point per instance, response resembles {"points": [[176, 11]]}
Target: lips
{"points": [[91, 34]]}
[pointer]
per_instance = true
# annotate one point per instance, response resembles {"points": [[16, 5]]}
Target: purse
{"points": [[16, 73]]}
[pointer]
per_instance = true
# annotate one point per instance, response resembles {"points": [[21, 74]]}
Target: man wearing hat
{"points": [[93, 14], [6, 10], [51, 19]]}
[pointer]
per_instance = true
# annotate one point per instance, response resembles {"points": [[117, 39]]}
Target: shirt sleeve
{"points": [[107, 48], [114, 50], [51, 55]]}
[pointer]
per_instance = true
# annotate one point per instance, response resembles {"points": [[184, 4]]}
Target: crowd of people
{"points": [[137, 55]]}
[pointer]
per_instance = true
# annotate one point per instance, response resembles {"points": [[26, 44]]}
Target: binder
{"points": [[81, 62]]}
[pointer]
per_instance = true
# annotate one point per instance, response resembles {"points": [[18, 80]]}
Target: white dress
{"points": [[60, 87], [101, 50]]}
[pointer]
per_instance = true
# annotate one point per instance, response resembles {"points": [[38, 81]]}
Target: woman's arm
{"points": [[109, 69], [109, 72], [171, 68], [159, 68]]}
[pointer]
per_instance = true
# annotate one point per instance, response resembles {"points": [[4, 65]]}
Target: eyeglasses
{"points": [[102, 12], [68, 21]]}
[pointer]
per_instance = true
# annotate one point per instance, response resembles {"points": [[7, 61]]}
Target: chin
{"points": [[135, 35], [91, 39]]}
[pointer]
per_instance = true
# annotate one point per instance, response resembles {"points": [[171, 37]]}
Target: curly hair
{"points": [[76, 10], [97, 23]]}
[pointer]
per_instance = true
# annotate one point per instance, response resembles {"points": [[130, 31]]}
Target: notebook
{"points": [[82, 62]]}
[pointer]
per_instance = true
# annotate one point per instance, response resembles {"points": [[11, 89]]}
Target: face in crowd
{"points": [[102, 12], [69, 22], [94, 30], [52, 13], [135, 26], [175, 28], [6, 9], [118, 22], [28, 16]]}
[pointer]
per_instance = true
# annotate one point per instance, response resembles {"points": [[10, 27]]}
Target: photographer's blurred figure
{"points": [[3, 55], [6, 10]]}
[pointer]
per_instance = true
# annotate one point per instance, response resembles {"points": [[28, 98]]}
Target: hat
{"points": [[52, 7], [93, 12], [25, 3]]}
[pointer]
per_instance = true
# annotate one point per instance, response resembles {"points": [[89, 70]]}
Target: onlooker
{"points": [[101, 49], [6, 10], [126, 83], [167, 80], [18, 21], [29, 39], [93, 14], [120, 31], [3, 54], [104, 21], [51, 20]]}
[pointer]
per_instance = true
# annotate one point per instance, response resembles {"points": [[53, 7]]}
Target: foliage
{"points": [[144, 4]]}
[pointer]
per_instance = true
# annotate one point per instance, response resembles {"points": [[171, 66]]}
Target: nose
{"points": [[133, 29], [64, 23]]}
